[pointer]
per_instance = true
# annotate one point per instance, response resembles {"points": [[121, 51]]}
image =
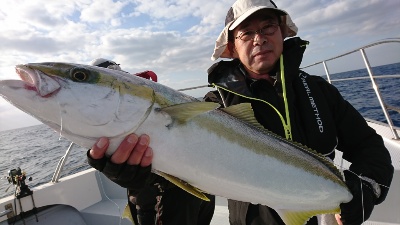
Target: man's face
{"points": [[260, 54]]}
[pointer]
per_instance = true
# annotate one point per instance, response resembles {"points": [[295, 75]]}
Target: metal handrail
{"points": [[363, 78], [384, 41], [60, 165], [192, 88], [7, 211], [384, 107]]}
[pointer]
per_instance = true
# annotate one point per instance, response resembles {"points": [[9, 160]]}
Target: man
{"points": [[265, 72]]}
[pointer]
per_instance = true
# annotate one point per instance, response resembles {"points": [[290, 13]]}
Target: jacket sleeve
{"points": [[360, 144]]}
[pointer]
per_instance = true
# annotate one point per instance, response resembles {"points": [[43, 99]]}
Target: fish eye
{"points": [[80, 75]]}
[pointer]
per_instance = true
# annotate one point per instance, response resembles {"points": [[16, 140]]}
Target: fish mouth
{"points": [[37, 80]]}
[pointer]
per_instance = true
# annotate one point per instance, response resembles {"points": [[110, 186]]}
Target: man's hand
{"points": [[360, 207], [129, 166]]}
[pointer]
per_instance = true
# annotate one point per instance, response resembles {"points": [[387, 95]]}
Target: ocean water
{"points": [[362, 96], [38, 149]]}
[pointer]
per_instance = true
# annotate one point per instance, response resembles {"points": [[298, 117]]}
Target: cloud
{"points": [[32, 15], [161, 9], [163, 51], [348, 18], [106, 11]]}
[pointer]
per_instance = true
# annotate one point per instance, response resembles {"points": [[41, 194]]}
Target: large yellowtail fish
{"points": [[197, 146]]}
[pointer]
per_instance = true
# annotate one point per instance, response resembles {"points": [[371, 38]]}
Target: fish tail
{"points": [[301, 217]]}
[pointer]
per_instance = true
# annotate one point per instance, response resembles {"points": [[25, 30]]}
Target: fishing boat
{"points": [[88, 197]]}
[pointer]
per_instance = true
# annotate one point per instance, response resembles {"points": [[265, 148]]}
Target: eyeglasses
{"points": [[268, 30]]}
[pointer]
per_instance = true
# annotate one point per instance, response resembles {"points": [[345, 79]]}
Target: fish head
{"points": [[81, 102]]}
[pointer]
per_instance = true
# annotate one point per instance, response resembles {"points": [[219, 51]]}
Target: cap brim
{"points": [[249, 12]]}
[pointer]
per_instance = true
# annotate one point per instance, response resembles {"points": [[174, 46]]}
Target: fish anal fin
{"points": [[127, 214], [185, 111], [184, 185], [301, 217]]}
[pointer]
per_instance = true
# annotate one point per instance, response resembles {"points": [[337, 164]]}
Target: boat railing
{"points": [[372, 77], [60, 165]]}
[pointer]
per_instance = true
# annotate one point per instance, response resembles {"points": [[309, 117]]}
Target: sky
{"points": [[175, 38]]}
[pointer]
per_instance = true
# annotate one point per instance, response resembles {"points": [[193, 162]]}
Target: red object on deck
{"points": [[148, 75]]}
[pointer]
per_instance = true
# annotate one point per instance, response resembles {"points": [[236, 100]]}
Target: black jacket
{"points": [[320, 118]]}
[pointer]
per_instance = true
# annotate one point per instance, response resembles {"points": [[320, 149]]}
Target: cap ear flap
{"points": [[288, 28], [284, 28]]}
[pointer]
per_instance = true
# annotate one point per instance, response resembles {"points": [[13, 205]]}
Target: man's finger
{"points": [[99, 149], [147, 157], [138, 152], [124, 149]]}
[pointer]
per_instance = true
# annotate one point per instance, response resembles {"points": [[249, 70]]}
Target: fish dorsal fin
{"points": [[186, 111], [301, 217], [244, 112], [160, 100], [184, 185]]}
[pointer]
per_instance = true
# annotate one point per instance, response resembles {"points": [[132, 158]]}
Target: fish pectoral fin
{"points": [[185, 111], [127, 214], [184, 185], [244, 112], [301, 217]]}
